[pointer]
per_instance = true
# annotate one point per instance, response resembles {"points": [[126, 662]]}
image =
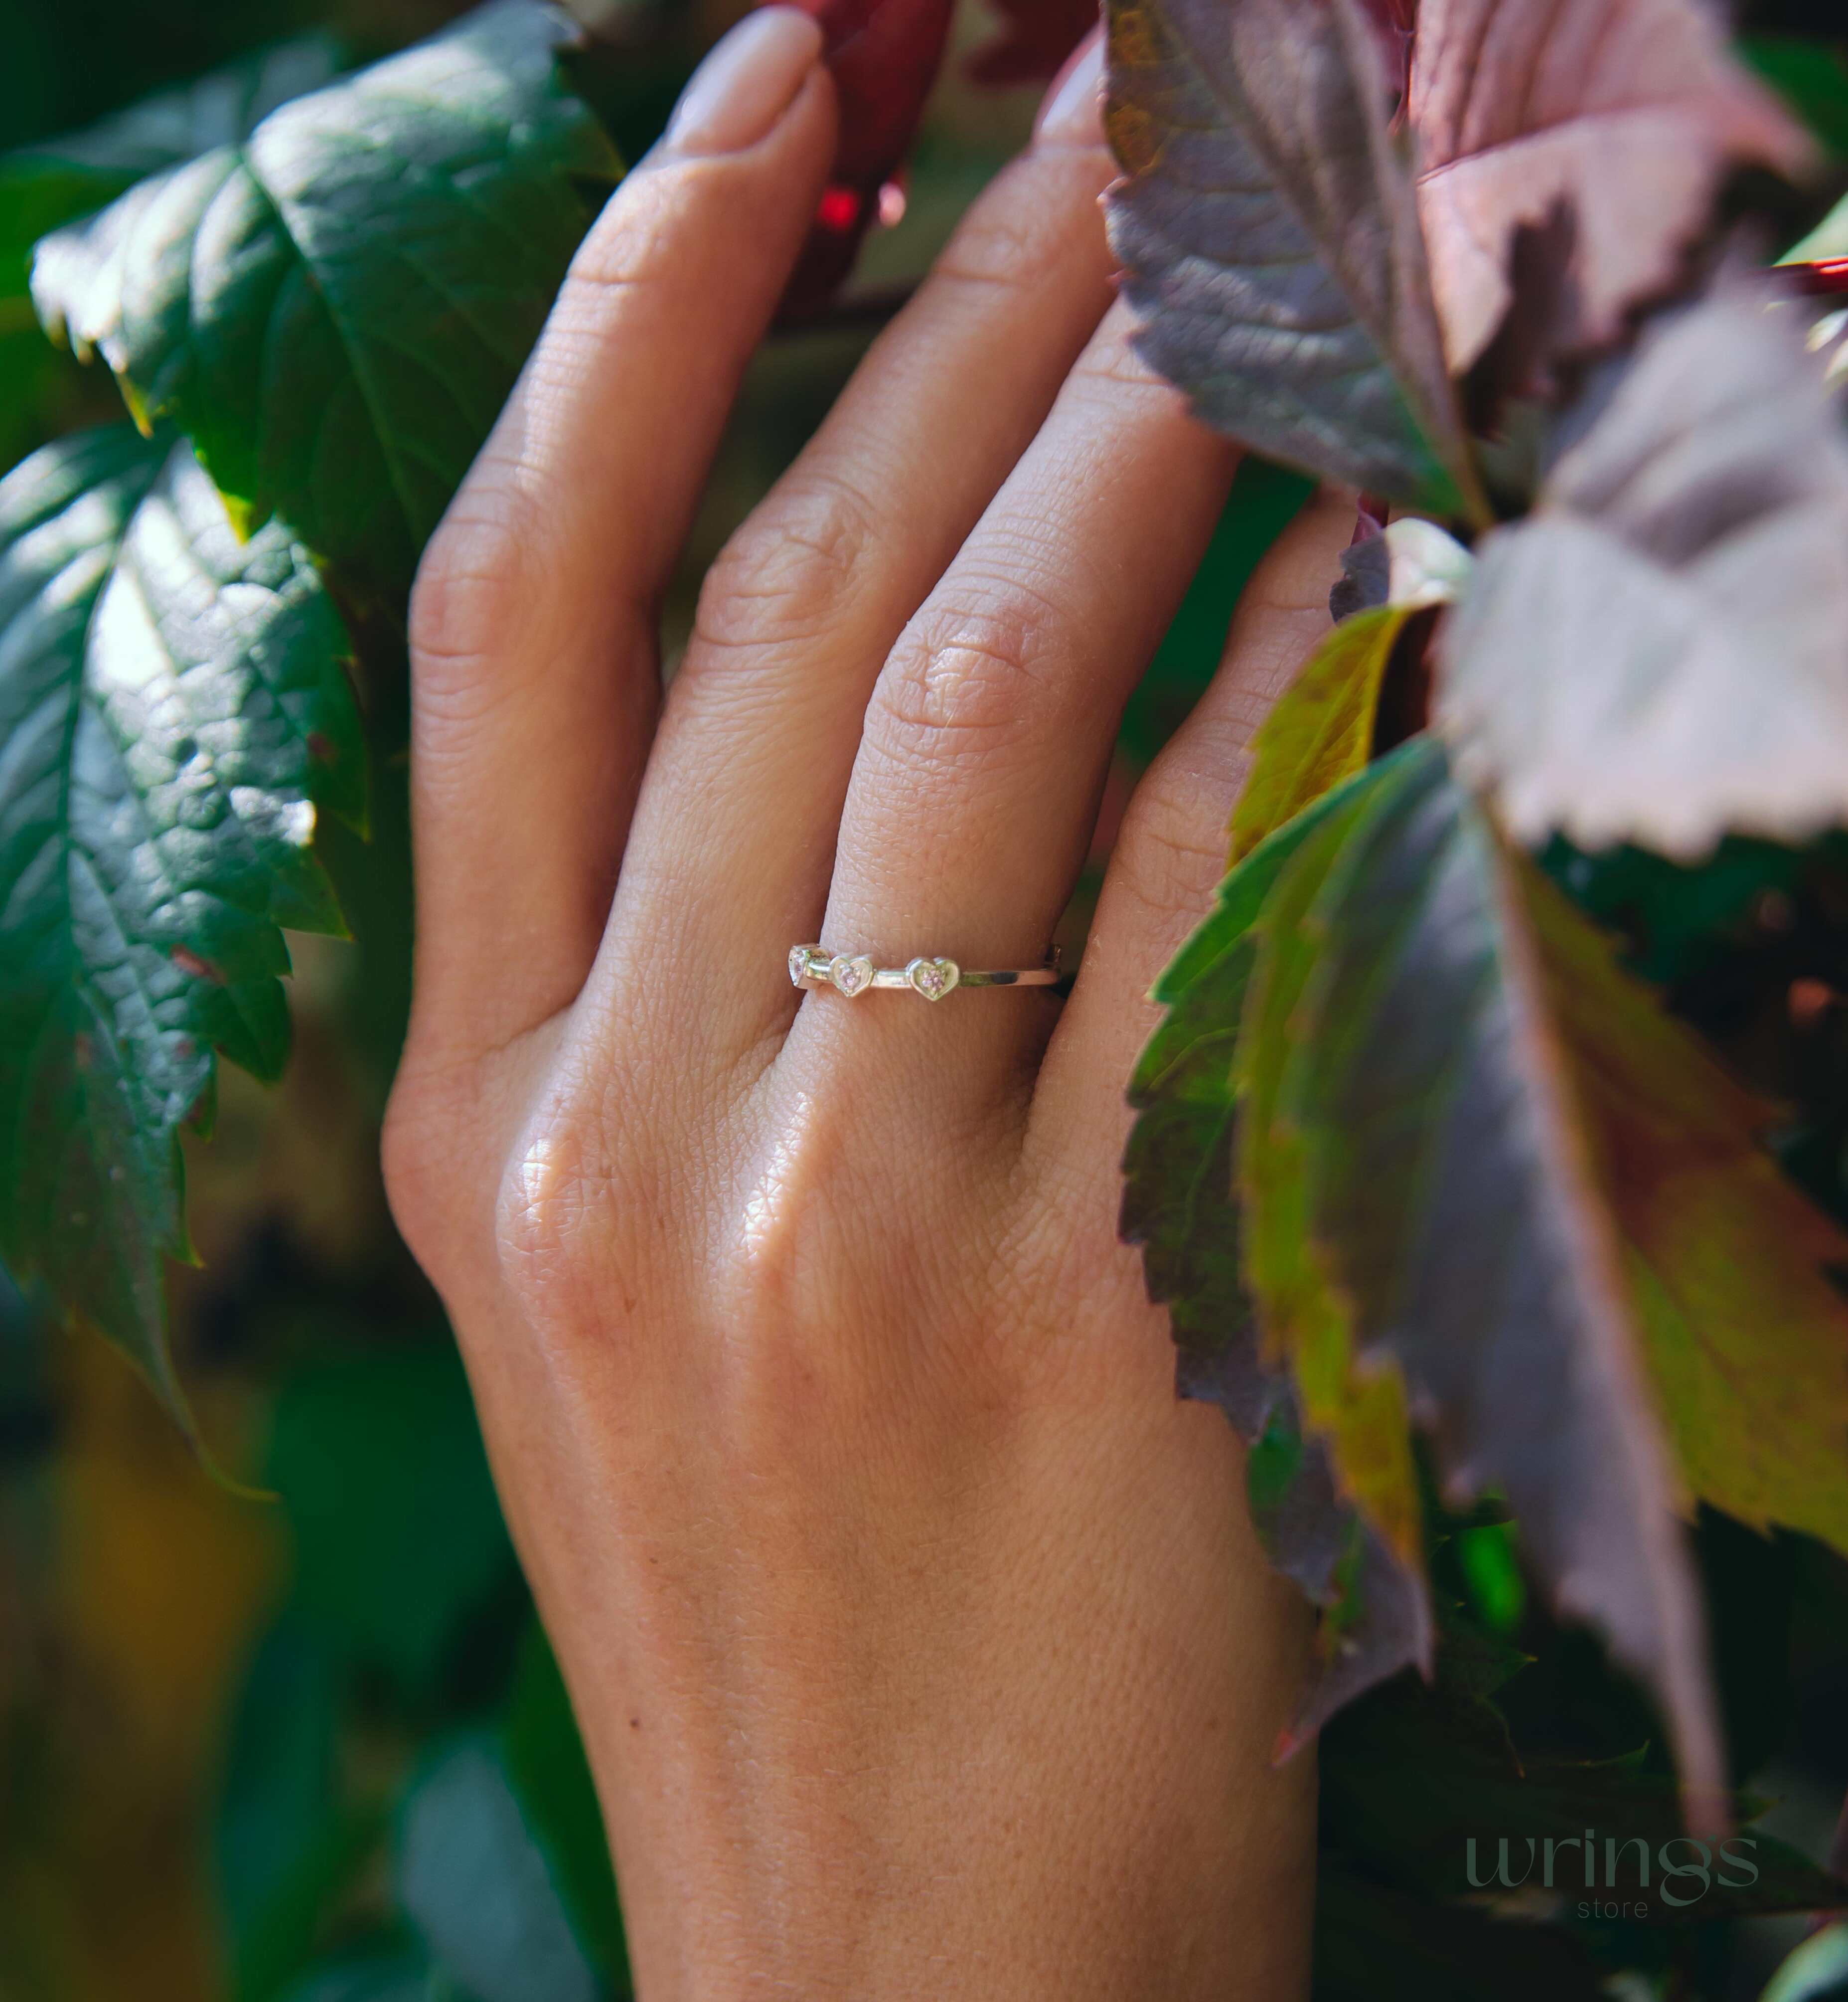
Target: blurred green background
{"points": [[316, 1749]]}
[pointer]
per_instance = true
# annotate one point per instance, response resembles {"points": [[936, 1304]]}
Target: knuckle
{"points": [[476, 585], [547, 1208], [959, 684], [1026, 226], [417, 1153], [784, 576], [630, 246], [1172, 851]]}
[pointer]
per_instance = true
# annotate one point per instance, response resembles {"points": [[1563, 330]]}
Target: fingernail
{"points": [[1073, 112], [746, 84]]}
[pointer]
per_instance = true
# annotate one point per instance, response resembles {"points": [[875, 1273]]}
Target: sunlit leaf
{"points": [[1269, 229], [45, 186], [174, 712], [1454, 1228], [1321, 729], [336, 308], [1621, 114], [1660, 654]]}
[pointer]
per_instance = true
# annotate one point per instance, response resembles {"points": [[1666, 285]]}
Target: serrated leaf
{"points": [[1269, 229], [1659, 653], [1320, 731], [1746, 1336], [1376, 1609], [1179, 1205], [174, 712], [1422, 1785], [1177, 1193], [1622, 114], [336, 308], [1450, 1211], [45, 186], [1306, 1321]]}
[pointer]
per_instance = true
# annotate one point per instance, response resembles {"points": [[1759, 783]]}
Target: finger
{"points": [[1171, 856], [990, 732], [534, 678], [735, 833]]}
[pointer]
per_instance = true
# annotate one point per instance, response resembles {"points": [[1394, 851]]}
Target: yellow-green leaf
{"points": [[1746, 1336], [1321, 730]]}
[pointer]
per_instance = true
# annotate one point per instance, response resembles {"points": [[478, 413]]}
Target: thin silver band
{"points": [[853, 974]]}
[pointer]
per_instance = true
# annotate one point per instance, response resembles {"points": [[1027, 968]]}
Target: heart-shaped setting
{"points": [[851, 976], [798, 964], [933, 979]]}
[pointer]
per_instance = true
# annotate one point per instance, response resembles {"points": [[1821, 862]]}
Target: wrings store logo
{"points": [[1684, 1869]]}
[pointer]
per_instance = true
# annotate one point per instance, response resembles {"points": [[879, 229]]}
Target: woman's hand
{"points": [[919, 1635]]}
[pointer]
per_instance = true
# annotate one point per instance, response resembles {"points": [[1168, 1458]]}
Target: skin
{"points": [[920, 1638]]}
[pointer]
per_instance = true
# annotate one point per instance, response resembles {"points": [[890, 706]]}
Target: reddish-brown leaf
{"points": [[1620, 115], [1033, 41], [884, 55]]}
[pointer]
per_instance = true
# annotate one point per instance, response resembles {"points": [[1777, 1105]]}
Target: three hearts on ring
{"points": [[852, 975]]}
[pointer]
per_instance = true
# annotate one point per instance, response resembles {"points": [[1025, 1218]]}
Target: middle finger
{"points": [[730, 850]]}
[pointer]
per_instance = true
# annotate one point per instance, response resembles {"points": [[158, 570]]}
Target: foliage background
{"points": [[317, 1750]]}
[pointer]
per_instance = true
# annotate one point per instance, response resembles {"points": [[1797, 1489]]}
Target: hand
{"points": [[920, 1638]]}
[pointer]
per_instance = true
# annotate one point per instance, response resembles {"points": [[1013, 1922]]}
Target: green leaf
{"points": [[1746, 1338], [1269, 228], [1375, 1612], [43, 187], [1306, 1317], [1421, 1786], [1810, 76], [1377, 1945], [337, 308], [1320, 731], [396, 1980], [546, 1767], [288, 1842], [398, 1540], [1449, 1215], [1817, 1971], [479, 1889], [1177, 1200], [1829, 239], [174, 712], [1178, 1204], [1659, 653]]}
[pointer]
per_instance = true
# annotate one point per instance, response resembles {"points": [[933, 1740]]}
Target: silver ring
{"points": [[852, 973]]}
